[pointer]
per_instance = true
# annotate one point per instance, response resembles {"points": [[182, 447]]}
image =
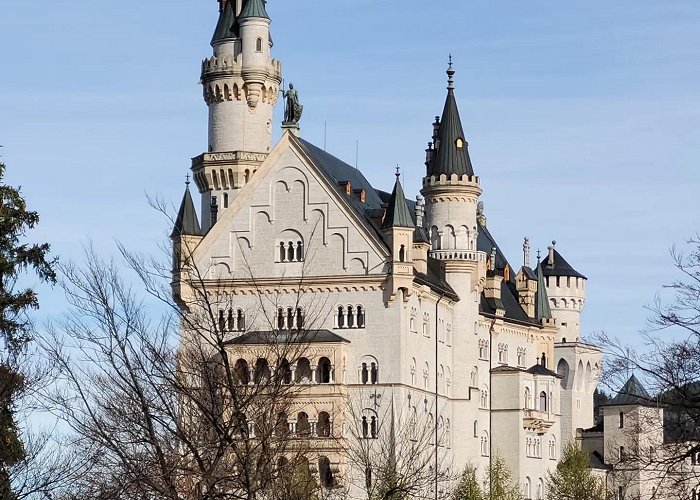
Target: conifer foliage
{"points": [[16, 258], [573, 479]]}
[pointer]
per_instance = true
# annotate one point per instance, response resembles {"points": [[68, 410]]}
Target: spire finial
{"points": [[187, 180], [450, 75], [398, 172], [526, 252], [539, 255]]}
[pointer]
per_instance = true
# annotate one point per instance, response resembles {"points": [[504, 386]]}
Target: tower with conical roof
{"points": [[398, 229], [241, 86]]}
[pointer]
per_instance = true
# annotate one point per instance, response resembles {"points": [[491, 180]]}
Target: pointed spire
{"points": [[254, 8], [227, 26], [451, 149], [397, 212], [542, 310], [187, 223], [632, 393]]}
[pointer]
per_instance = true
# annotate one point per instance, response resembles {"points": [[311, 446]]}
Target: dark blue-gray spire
{"points": [[451, 155], [227, 26], [254, 8], [187, 223], [397, 212], [542, 309]]}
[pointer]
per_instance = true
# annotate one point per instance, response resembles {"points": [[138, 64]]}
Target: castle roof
{"points": [[254, 8], [451, 155], [397, 211], [632, 393], [227, 26], [559, 267], [186, 222]]}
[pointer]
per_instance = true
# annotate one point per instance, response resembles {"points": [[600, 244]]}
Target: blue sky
{"points": [[582, 117]]}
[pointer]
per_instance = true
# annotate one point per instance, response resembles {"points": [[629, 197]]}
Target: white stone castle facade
{"points": [[420, 309]]}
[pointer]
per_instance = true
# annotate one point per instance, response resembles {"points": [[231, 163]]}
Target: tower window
{"points": [[402, 254], [258, 45], [225, 200], [622, 420], [459, 143]]}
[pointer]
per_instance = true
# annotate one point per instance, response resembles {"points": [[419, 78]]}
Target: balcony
{"points": [[537, 420]]}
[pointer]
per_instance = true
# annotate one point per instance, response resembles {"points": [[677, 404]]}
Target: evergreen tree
{"points": [[468, 487], [16, 258], [573, 478], [499, 481]]}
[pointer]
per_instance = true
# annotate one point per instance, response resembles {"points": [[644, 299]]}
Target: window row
{"points": [[290, 251], [231, 320], [349, 317], [527, 489], [300, 426], [301, 372], [444, 376], [290, 318], [543, 401], [533, 447]]}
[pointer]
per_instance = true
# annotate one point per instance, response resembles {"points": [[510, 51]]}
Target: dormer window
{"points": [[459, 143]]}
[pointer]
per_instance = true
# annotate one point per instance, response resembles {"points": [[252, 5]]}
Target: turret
{"points": [[185, 237], [566, 289], [241, 86], [421, 240], [451, 190], [398, 230]]}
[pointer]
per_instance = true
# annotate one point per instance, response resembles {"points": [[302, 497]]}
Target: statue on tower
{"points": [[292, 108]]}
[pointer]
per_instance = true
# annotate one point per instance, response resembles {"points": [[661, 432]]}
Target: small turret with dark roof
{"points": [[397, 212], [556, 265], [451, 155], [542, 310], [254, 8], [186, 223], [227, 26], [632, 393]]}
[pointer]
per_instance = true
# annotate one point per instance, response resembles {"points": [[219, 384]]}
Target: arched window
{"points": [[241, 374], [364, 377], [262, 371], [373, 427], [543, 360], [303, 426], [341, 317], [484, 398], [226, 197], [622, 420], [412, 371], [290, 252], [240, 320], [323, 426], [222, 322], [258, 45], [543, 401], [300, 318], [325, 473], [229, 321], [485, 444], [324, 371], [474, 378], [280, 319], [351, 318], [284, 372], [365, 427], [402, 254], [476, 428], [283, 252], [374, 373], [300, 251], [527, 398], [360, 317], [290, 318], [540, 489], [303, 371], [527, 488]]}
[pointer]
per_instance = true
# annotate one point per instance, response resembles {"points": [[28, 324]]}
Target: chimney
{"points": [[214, 209], [436, 127], [550, 257]]}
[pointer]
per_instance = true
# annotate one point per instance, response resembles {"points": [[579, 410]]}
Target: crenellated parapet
{"points": [[453, 187], [226, 170], [225, 79]]}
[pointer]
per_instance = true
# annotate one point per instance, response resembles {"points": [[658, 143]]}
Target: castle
{"points": [[421, 309]]}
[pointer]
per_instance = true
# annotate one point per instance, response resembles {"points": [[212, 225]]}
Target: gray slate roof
{"points": [[448, 158], [186, 222], [397, 212], [284, 336], [254, 8], [509, 294], [560, 267], [632, 393], [227, 26]]}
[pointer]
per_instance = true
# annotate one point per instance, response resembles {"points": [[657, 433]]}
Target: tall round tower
{"points": [[450, 188], [566, 290], [241, 85]]}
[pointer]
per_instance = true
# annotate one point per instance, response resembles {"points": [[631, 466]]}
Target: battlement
{"points": [[470, 255], [229, 66], [453, 180]]}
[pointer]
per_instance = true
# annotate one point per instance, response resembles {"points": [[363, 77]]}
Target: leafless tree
{"points": [[192, 405], [398, 449], [666, 448]]}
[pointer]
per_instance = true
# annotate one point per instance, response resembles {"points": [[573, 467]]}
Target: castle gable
{"points": [[293, 219]]}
